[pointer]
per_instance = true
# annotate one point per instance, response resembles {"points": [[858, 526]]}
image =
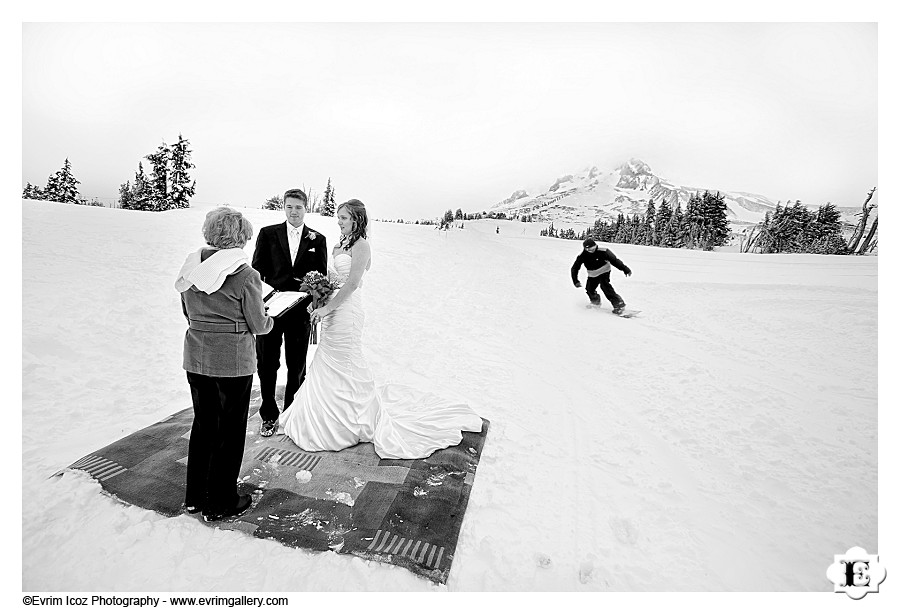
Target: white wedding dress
{"points": [[339, 406]]}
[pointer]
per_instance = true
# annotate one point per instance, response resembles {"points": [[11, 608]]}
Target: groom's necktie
{"points": [[294, 243]]}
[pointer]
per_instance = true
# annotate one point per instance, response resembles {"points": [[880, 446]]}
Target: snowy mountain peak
{"points": [[635, 166], [518, 194], [579, 199], [636, 175]]}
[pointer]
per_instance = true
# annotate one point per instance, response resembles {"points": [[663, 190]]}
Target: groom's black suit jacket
{"points": [[272, 257]]}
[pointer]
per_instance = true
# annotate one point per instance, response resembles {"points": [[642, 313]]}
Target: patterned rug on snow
{"points": [[401, 512]]}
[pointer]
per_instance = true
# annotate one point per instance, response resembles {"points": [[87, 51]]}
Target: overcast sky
{"points": [[414, 119]]}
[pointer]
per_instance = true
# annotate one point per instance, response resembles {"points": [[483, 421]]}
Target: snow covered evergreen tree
{"points": [[140, 195], [619, 229], [62, 187], [665, 232], [681, 229], [182, 186], [328, 204], [692, 222], [714, 226], [159, 177], [125, 196], [794, 229], [68, 185], [648, 230], [32, 192], [635, 229], [275, 203]]}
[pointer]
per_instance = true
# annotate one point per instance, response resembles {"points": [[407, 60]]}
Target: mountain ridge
{"points": [[578, 199]]}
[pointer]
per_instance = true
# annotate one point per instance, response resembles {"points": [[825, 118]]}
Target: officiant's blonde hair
{"points": [[225, 228]]}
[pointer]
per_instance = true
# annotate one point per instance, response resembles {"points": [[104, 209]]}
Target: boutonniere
{"points": [[312, 235]]}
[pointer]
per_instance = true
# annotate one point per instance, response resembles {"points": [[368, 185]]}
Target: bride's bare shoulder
{"points": [[363, 250], [361, 245]]}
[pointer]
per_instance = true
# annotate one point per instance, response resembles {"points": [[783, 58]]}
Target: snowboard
{"points": [[626, 313]]}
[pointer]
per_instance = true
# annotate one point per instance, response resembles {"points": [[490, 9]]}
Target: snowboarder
{"points": [[597, 261]]}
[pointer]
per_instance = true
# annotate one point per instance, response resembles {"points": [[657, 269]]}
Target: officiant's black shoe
{"points": [[268, 428], [244, 502], [192, 509]]}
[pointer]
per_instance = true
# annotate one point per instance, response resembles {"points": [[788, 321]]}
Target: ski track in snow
{"points": [[704, 439]]}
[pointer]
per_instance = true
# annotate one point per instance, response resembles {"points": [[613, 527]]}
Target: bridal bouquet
{"points": [[320, 289]]}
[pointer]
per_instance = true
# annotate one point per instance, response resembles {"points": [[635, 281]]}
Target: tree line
{"points": [[703, 224], [795, 229], [62, 187], [168, 186], [323, 205]]}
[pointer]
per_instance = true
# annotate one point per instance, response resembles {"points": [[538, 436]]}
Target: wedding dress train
{"points": [[339, 406]]}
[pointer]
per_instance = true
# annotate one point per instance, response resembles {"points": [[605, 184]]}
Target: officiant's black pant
{"points": [[293, 327], [216, 447]]}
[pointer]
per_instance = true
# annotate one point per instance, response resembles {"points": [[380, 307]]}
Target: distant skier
{"points": [[498, 230], [597, 261]]}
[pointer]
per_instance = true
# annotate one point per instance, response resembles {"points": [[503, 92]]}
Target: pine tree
{"points": [[458, 215], [714, 226], [183, 187], [649, 227], [692, 222], [126, 196], [275, 203], [32, 192], [159, 176], [794, 229], [680, 228], [62, 187], [67, 184], [141, 193], [827, 228], [51, 190], [637, 226], [620, 229], [327, 208], [664, 235]]}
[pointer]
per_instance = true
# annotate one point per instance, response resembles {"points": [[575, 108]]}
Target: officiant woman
{"points": [[221, 296]]}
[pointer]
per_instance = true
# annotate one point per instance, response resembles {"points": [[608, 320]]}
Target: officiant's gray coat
{"points": [[219, 341]]}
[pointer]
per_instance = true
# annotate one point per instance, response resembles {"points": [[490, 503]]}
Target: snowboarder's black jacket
{"points": [[597, 263]]}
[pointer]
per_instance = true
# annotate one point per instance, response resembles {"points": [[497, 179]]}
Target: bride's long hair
{"points": [[360, 219]]}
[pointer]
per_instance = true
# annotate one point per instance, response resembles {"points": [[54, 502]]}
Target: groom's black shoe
{"points": [[243, 503], [268, 428]]}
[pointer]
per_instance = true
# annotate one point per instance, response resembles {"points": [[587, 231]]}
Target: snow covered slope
{"points": [[723, 441]]}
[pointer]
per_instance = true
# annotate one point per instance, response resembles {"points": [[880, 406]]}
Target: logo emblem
{"points": [[856, 573]]}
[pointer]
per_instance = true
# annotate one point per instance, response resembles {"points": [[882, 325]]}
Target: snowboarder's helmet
{"points": [[589, 243]]}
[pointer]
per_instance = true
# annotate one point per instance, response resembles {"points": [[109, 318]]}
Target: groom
{"points": [[284, 254]]}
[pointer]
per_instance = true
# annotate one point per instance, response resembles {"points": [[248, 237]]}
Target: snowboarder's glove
{"points": [[577, 284], [627, 272]]}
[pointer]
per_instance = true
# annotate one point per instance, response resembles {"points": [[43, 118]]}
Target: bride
{"points": [[338, 404]]}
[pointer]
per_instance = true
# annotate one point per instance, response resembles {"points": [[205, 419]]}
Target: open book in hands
{"points": [[279, 301]]}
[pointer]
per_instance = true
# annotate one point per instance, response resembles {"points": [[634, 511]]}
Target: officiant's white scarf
{"points": [[210, 274]]}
